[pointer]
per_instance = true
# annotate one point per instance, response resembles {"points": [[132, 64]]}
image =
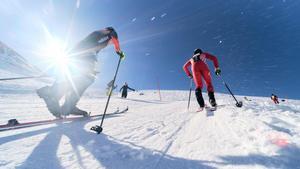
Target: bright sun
{"points": [[55, 55]]}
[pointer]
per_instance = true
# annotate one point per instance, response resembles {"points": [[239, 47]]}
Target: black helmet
{"points": [[196, 51], [112, 31], [110, 28]]}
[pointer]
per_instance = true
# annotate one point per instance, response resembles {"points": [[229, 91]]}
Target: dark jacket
{"points": [[125, 88]]}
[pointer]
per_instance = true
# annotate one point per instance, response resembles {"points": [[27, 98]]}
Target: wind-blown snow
{"points": [[155, 134]]}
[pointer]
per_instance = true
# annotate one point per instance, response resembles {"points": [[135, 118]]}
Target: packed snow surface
{"points": [[154, 134]]}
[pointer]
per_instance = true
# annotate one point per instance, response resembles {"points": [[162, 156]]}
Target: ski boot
{"points": [[213, 103], [12, 122], [78, 111], [212, 99], [51, 102]]}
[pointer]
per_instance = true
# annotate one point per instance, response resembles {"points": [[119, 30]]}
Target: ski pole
{"points": [[238, 103], [20, 78], [99, 128], [191, 84]]}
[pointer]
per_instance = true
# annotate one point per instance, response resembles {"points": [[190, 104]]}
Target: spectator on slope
{"points": [[124, 89]]}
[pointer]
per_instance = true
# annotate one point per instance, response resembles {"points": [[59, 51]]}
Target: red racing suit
{"points": [[200, 69]]}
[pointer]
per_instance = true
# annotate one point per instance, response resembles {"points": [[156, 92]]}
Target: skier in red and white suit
{"points": [[200, 70]]}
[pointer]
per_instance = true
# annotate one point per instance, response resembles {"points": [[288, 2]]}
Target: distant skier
{"points": [[81, 73], [200, 70], [124, 89], [274, 98]]}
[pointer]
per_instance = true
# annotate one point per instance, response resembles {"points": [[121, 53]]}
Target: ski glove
{"points": [[190, 76], [218, 71], [121, 54]]}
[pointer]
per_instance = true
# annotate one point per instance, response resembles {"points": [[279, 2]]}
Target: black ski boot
{"points": [[51, 102], [212, 99]]}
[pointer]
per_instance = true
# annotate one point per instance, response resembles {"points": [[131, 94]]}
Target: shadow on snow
{"points": [[286, 157], [109, 152], [112, 153]]}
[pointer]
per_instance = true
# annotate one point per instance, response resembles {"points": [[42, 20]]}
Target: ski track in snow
{"points": [[154, 134]]}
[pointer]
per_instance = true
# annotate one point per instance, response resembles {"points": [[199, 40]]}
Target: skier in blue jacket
{"points": [[124, 89]]}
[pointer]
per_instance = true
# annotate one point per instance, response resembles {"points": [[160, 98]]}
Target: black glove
{"points": [[218, 71], [190, 76], [121, 54]]}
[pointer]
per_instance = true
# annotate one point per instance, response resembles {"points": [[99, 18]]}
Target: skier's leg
{"points": [[208, 81], [51, 95], [212, 99], [198, 82], [69, 106], [210, 88], [81, 84], [199, 97]]}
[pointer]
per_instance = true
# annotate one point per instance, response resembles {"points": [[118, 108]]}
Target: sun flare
{"points": [[56, 55]]}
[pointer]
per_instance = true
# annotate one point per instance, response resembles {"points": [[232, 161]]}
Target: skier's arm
{"points": [[115, 41], [96, 41], [215, 61], [186, 68], [112, 37], [121, 88], [131, 89], [212, 58]]}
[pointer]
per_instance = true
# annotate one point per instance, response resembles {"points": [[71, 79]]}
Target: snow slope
{"points": [[14, 62], [155, 134], [12, 65]]}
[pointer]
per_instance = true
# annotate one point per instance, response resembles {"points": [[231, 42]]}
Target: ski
{"points": [[45, 122], [210, 111]]}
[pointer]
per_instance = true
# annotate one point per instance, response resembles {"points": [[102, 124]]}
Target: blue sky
{"points": [[256, 42]]}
